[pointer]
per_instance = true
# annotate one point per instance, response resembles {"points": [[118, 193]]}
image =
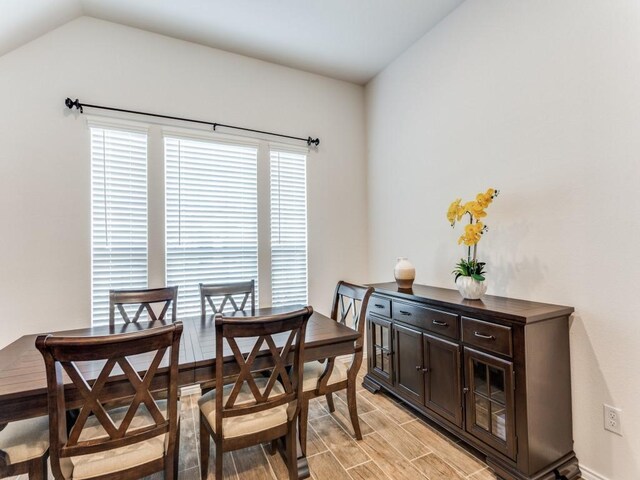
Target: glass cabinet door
{"points": [[381, 351], [489, 400]]}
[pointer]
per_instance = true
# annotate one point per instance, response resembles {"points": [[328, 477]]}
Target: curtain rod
{"points": [[80, 106]]}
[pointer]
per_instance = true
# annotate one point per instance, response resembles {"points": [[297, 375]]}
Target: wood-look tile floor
{"points": [[398, 444]]}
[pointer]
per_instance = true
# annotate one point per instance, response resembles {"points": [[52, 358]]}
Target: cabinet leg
{"points": [[370, 385], [566, 469]]}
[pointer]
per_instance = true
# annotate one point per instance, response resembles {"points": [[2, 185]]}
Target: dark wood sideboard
{"points": [[494, 372]]}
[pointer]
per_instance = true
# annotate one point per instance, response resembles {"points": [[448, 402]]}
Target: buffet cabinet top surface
{"points": [[514, 310]]}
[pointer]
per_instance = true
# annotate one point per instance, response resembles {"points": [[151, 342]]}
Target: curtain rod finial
{"points": [[313, 141], [73, 103]]}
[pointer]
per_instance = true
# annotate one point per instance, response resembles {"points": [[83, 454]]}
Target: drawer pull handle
{"points": [[402, 312], [439, 323], [482, 335], [423, 370], [377, 305]]}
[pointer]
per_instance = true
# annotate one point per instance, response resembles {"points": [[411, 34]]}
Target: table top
{"points": [[22, 373]]}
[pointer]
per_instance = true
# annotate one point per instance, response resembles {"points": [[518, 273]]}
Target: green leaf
{"points": [[469, 268]]}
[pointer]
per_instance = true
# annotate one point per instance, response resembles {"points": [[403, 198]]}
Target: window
{"points": [[211, 216], [118, 215], [212, 224], [288, 228]]}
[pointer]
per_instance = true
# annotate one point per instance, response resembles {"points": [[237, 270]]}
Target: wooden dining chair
{"points": [[24, 448], [324, 378], [255, 409], [125, 442], [143, 298], [234, 295]]}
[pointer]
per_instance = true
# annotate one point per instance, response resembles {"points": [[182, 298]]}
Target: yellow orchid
{"points": [[472, 234], [455, 212], [485, 199], [475, 209]]}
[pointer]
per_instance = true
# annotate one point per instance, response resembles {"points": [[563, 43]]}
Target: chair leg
{"points": [[353, 409], [330, 404], [273, 449], [173, 468], [292, 450], [219, 458], [205, 440], [38, 468], [302, 424]]}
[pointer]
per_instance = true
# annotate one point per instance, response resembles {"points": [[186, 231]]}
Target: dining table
{"points": [[23, 382]]}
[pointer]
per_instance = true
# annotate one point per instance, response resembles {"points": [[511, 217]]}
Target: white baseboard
{"points": [[588, 474]]}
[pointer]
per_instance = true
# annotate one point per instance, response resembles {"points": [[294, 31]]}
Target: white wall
{"points": [[45, 165], [542, 100]]}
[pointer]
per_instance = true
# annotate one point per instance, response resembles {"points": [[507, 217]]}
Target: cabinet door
{"points": [[409, 377], [380, 358], [443, 386], [489, 400]]}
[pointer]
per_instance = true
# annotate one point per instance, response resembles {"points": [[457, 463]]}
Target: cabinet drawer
{"points": [[436, 321], [489, 336], [380, 306]]}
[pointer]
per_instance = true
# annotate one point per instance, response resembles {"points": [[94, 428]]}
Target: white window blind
{"points": [[211, 216], [288, 228], [118, 215]]}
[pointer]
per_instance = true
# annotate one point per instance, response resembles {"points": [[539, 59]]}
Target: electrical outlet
{"points": [[613, 419]]}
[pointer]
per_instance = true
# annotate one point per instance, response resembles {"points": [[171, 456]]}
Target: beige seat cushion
{"points": [[25, 439], [314, 370], [112, 461], [245, 424]]}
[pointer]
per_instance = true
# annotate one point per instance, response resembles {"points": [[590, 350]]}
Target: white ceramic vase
{"points": [[404, 272], [470, 288]]}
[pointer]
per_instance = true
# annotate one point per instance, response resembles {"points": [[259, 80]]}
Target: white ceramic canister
{"points": [[404, 272]]}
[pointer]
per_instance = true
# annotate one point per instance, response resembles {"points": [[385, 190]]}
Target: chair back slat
{"points": [[350, 304], [231, 296], [144, 298], [113, 354], [278, 341]]}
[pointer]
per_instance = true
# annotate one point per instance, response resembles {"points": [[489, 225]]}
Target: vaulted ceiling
{"points": [[347, 39]]}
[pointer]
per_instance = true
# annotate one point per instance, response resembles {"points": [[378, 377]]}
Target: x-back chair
{"points": [[229, 297], [122, 443], [349, 308], [143, 298], [255, 409], [235, 295], [24, 447]]}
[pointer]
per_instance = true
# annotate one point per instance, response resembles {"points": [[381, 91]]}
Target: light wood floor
{"points": [[397, 445]]}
